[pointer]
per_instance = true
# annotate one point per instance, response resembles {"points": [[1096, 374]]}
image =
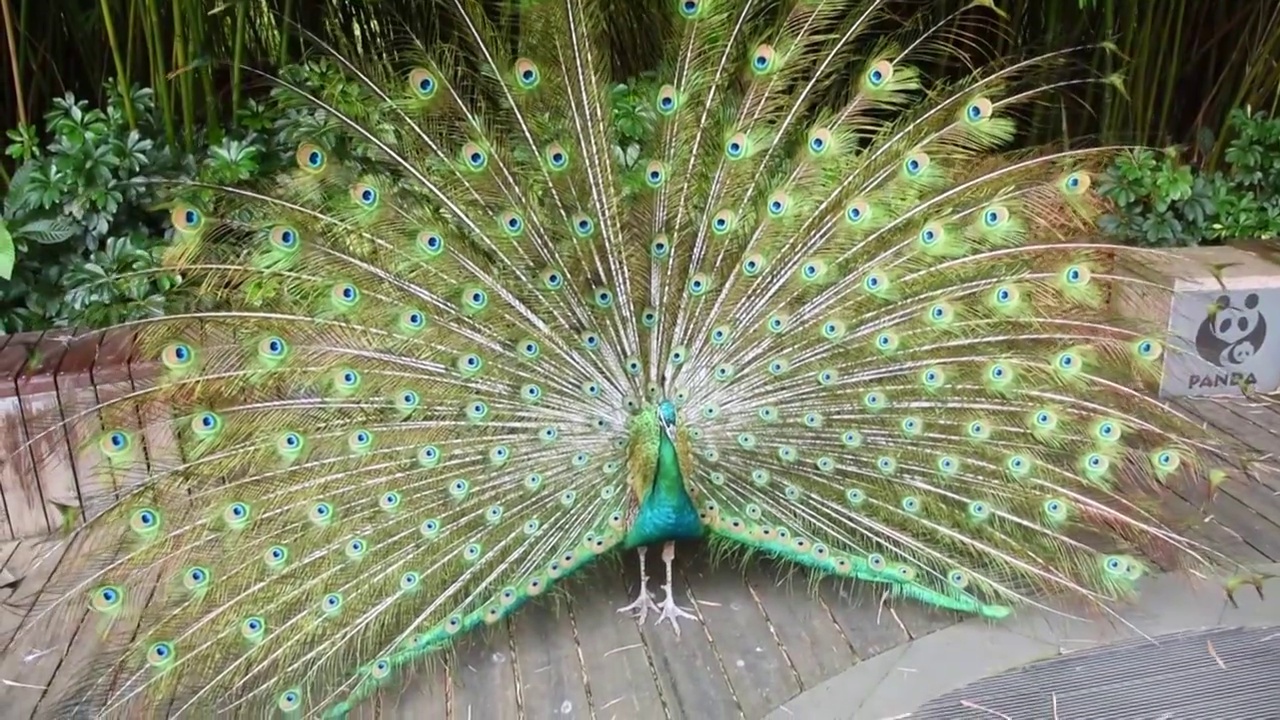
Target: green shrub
{"points": [[86, 214], [1162, 201], [85, 220]]}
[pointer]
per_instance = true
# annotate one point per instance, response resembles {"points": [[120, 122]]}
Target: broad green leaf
{"points": [[8, 254]]}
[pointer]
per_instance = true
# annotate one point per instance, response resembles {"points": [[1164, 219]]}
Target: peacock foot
{"points": [[670, 610], [673, 612], [641, 607], [644, 601]]}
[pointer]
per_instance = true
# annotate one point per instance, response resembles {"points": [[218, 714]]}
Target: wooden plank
{"points": [[754, 662], [98, 483], [1208, 531], [873, 622], [484, 680], [856, 607], [424, 693], [7, 464], [802, 623], [9, 581], [90, 638], [1253, 426], [159, 439], [19, 592], [620, 675], [49, 451], [690, 673], [921, 619], [551, 674], [1252, 527], [19, 487], [36, 647]]}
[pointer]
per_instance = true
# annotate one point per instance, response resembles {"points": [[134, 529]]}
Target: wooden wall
{"points": [[49, 383]]}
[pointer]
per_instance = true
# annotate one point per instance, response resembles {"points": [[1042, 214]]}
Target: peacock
{"points": [[463, 346]]}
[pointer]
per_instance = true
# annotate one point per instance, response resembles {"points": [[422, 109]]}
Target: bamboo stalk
{"points": [[286, 17], [237, 61], [159, 79], [14, 66], [122, 72], [200, 44], [182, 62]]}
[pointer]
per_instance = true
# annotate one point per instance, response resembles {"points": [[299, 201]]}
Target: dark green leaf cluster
{"points": [[1162, 201]]}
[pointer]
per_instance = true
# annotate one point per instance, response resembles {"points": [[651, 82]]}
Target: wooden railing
{"points": [[48, 379]]}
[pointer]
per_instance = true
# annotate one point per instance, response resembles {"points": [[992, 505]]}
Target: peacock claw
{"points": [[644, 601], [642, 605], [673, 612]]}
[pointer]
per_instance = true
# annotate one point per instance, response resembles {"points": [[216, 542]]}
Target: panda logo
{"points": [[1234, 335]]}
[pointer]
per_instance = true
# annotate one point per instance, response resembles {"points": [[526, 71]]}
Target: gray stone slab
{"points": [[1214, 674], [899, 683]]}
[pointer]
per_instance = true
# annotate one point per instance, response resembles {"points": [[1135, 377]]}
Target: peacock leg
{"points": [[644, 601], [671, 611]]}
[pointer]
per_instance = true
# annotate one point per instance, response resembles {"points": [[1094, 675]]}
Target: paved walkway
{"points": [[1168, 672]]}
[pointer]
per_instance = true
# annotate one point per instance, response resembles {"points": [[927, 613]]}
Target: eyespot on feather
{"points": [[106, 598], [778, 203], [857, 212], [995, 216], [931, 235], [512, 224], [879, 74], [344, 296], [1076, 183], [723, 221], [1077, 275], [763, 59], [552, 279], [753, 265], [474, 156], [206, 424], [527, 75], [115, 443], [819, 141], [310, 157], [660, 247], [430, 242], [978, 110], [177, 356], [284, 238], [915, 164], [422, 83], [583, 226], [667, 101], [654, 174], [365, 195], [737, 146], [186, 218], [557, 157]]}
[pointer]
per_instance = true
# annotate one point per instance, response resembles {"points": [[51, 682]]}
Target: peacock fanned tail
{"points": [[423, 381]]}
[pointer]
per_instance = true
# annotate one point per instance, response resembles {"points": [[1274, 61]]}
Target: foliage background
{"points": [[106, 99]]}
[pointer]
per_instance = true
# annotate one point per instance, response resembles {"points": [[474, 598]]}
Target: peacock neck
{"points": [[668, 481], [667, 512]]}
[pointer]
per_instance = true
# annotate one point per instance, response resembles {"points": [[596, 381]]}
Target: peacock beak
{"points": [[669, 428]]}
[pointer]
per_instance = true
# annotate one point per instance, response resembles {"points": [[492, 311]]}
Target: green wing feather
{"points": [[412, 403]]}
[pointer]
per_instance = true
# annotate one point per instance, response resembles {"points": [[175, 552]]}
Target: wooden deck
{"points": [[763, 637]]}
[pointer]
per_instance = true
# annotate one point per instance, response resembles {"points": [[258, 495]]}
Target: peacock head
{"points": [[667, 416]]}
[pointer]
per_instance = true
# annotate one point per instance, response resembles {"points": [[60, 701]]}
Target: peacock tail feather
{"points": [[428, 376]]}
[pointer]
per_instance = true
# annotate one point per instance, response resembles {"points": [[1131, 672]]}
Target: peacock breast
{"points": [[664, 517]]}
